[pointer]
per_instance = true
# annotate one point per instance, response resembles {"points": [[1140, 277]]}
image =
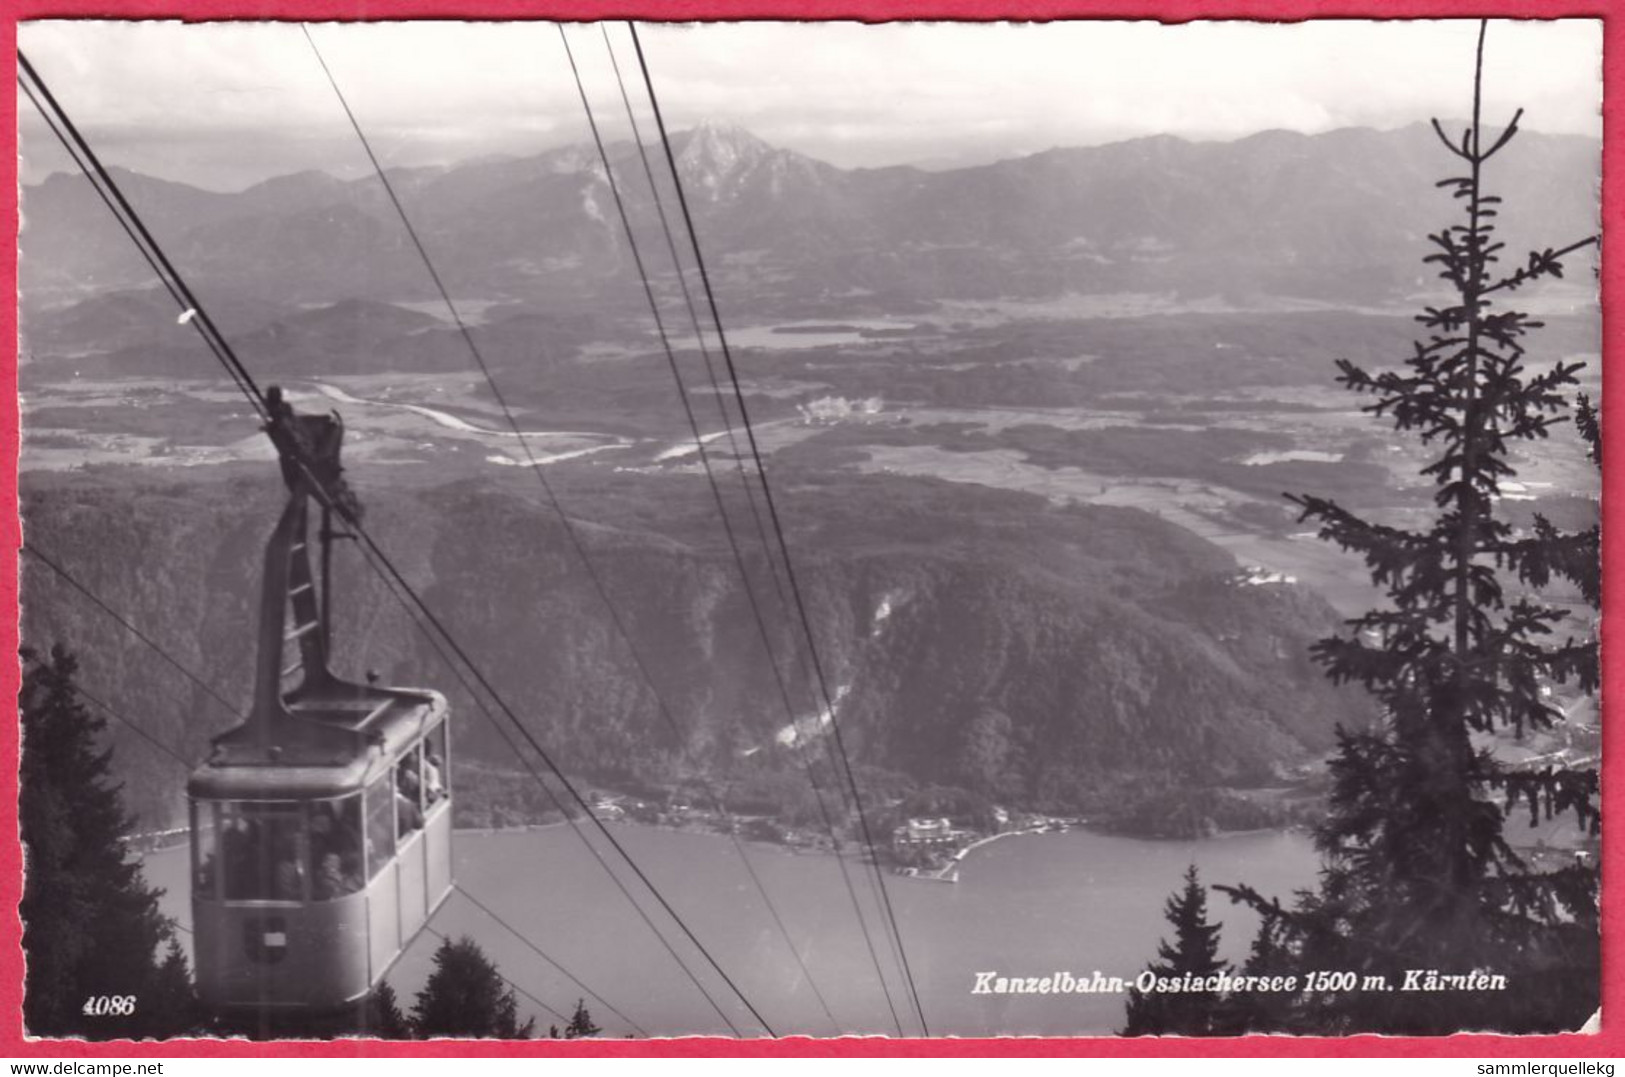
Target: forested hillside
{"points": [[983, 639]]}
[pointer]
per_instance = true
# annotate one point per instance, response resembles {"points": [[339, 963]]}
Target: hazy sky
{"points": [[226, 105]]}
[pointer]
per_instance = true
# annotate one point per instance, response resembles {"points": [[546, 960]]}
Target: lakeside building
{"points": [[925, 833]]}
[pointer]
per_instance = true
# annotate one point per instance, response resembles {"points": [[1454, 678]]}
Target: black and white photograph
{"points": [[541, 530]]}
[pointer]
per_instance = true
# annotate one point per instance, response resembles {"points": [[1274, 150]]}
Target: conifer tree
{"points": [[581, 1026], [1418, 871], [382, 1017], [91, 925], [1194, 951], [466, 997], [1241, 1011], [171, 1005]]}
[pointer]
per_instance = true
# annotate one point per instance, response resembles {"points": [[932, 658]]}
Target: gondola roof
{"points": [[334, 740]]}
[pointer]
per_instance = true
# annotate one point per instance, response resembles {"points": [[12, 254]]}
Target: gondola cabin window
{"points": [[317, 850], [205, 850], [261, 850], [421, 782], [281, 851], [335, 847], [381, 812], [436, 775], [409, 791]]}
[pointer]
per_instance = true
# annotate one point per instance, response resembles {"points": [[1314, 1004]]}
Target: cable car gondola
{"points": [[321, 826]]}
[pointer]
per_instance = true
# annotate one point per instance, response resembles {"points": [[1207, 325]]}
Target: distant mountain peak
{"points": [[1335, 216], [723, 131], [718, 149], [310, 177], [721, 162]]}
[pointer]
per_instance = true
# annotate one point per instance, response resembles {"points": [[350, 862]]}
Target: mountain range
{"points": [[1341, 216], [1029, 649]]}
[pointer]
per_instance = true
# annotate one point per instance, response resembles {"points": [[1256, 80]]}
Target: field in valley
{"points": [[1205, 418]]}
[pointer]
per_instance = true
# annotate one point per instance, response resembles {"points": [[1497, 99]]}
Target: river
{"points": [[1025, 905]]}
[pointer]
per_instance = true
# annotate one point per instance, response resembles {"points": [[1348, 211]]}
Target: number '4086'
{"points": [[110, 1005]]}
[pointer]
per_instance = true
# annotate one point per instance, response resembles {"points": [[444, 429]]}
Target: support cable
{"points": [[593, 575], [68, 578], [722, 512], [536, 468], [777, 522], [251, 390], [164, 654], [135, 727], [539, 952], [733, 542], [518, 753], [717, 393], [150, 249], [189, 765], [509, 982], [90, 167]]}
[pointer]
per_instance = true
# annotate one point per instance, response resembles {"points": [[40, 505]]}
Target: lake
{"points": [[1026, 905], [794, 336]]}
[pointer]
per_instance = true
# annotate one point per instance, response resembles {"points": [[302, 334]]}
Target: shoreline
{"points": [[178, 838], [949, 872]]}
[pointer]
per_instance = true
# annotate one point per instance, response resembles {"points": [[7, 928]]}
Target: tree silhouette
{"points": [[1418, 872], [581, 1026], [91, 925], [382, 1017], [1194, 951], [171, 1002], [467, 997]]}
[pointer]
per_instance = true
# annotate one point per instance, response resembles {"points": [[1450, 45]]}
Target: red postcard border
{"points": [[1610, 1042]]}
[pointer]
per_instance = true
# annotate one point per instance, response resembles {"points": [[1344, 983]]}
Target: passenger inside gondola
{"points": [[433, 786], [262, 852], [288, 877], [408, 792], [335, 847], [239, 842]]}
